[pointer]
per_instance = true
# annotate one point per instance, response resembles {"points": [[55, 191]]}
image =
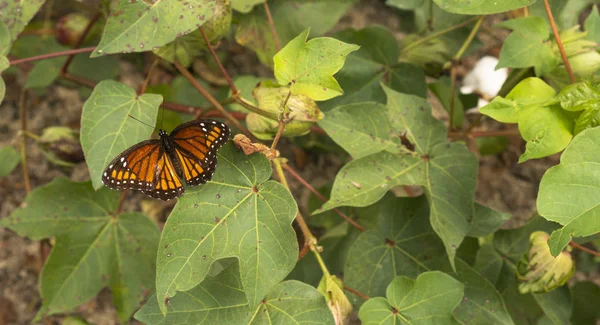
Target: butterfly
{"points": [[158, 167]]}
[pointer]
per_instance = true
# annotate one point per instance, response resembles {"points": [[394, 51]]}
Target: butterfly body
{"points": [[158, 167]]}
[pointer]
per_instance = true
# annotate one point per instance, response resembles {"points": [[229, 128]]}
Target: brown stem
{"points": [[272, 26], [561, 48], [82, 37], [362, 295], [53, 55], [255, 109], [148, 75], [320, 196], [121, 201], [80, 80], [585, 249], [234, 90], [23, 114], [452, 94], [212, 100], [281, 120]]}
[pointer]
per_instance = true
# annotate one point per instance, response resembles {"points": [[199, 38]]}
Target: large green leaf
{"points": [[486, 221], [592, 25], [138, 26], [240, 213], [361, 129], [527, 46], [17, 14], [44, 72], [430, 299], [585, 295], [10, 159], [569, 193], [308, 67], [244, 6], [290, 18], [376, 61], [220, 300], [556, 304], [107, 130], [481, 7], [94, 247], [402, 244], [446, 170], [582, 96], [546, 128]]}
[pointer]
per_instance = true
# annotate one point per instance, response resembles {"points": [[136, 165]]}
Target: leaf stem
{"points": [[53, 55], [362, 295], [272, 25], [255, 109], [583, 248], [121, 201], [436, 35], [234, 90], [211, 99], [320, 196], [561, 48], [281, 121], [86, 31], [148, 75], [23, 115]]}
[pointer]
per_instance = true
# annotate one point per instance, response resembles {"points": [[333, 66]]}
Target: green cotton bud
{"points": [[300, 112], [539, 271], [332, 288], [61, 145]]}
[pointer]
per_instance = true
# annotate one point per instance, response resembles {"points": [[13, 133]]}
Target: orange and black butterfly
{"points": [[158, 167]]}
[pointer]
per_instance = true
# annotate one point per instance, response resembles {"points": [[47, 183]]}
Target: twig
{"points": [[148, 75], [255, 109], [436, 35], [53, 55], [211, 99], [121, 201], [563, 54], [82, 37], [585, 249], [234, 89], [362, 295], [80, 80], [23, 113], [281, 121], [272, 26], [320, 196]]}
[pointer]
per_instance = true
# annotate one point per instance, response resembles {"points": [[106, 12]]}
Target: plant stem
{"points": [[272, 26], [80, 80], [436, 35], [148, 75], [281, 121], [315, 249], [53, 55], [211, 99], [362, 295], [583, 248], [255, 109], [234, 90], [82, 37], [23, 115], [320, 196], [561, 48], [121, 201]]}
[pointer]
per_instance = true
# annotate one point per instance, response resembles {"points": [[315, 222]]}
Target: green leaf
{"points": [[556, 304], [220, 300], [585, 295], [290, 18], [244, 6], [106, 128], [592, 25], [376, 61], [486, 221], [139, 26], [513, 243], [402, 244], [239, 214], [309, 66], [404, 4], [547, 129], [482, 303], [489, 146], [429, 299], [10, 159], [44, 72], [481, 7], [361, 129], [569, 193], [582, 96], [527, 46], [94, 248], [17, 14], [488, 263], [4, 64], [98, 69]]}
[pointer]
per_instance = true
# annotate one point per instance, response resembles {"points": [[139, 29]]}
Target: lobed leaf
{"points": [[430, 299], [309, 66], [106, 128], [16, 15], [140, 26], [10, 159], [569, 193], [94, 248], [240, 213]]}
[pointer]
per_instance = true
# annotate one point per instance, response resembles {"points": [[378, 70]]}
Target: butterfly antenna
{"points": [[140, 121]]}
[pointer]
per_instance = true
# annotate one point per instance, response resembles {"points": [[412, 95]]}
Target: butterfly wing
{"points": [[145, 167], [196, 144]]}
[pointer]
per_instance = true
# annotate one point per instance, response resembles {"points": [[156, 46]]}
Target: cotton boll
{"points": [[484, 79]]}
